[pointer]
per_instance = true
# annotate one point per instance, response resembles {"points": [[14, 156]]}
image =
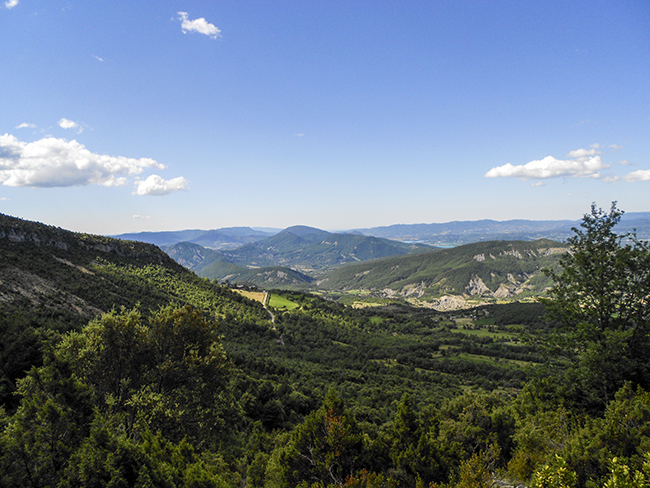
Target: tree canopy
{"points": [[601, 303]]}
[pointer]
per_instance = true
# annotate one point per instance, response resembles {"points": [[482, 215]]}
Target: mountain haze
{"points": [[464, 232], [224, 238]]}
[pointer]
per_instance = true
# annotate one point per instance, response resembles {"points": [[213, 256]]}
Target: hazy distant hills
{"points": [[225, 238], [464, 232], [441, 234]]}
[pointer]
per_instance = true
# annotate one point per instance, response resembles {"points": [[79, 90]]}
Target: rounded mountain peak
{"points": [[303, 230]]}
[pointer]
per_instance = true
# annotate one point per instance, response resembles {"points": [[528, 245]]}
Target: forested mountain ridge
{"points": [[40, 264], [311, 248], [53, 280], [283, 260], [498, 269], [217, 265], [60, 277]]}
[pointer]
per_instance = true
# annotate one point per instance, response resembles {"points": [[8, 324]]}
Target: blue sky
{"points": [[126, 116]]}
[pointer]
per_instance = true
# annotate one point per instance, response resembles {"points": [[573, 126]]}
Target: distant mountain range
{"points": [[225, 238], [285, 258], [464, 232], [488, 260], [443, 234]]}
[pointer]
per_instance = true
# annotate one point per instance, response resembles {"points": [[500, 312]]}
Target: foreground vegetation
{"points": [[182, 382]]}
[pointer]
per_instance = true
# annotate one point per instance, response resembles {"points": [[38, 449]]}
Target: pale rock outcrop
{"points": [[476, 287]]}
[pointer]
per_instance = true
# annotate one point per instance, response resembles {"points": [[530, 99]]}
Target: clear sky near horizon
{"points": [[131, 116]]}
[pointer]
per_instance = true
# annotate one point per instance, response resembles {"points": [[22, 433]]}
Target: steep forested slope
{"points": [[50, 272], [53, 281]]}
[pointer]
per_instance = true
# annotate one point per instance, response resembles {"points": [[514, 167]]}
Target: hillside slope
{"points": [[53, 281], [217, 265], [486, 270], [310, 248], [49, 272]]}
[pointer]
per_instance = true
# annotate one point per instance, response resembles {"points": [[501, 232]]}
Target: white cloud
{"points": [[98, 58], [4, 199], [52, 162], [639, 175], [11, 3], [200, 25], [550, 167], [145, 217], [537, 183], [615, 147], [70, 124], [25, 125], [155, 185], [583, 153]]}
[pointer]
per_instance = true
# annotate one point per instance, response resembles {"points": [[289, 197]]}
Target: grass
{"points": [[485, 333], [253, 295], [494, 360], [277, 301]]}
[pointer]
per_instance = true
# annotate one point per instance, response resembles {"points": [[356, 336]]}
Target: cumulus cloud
{"points": [[11, 3], [581, 153], [639, 175], [155, 185], [52, 162], [200, 25], [26, 125], [145, 217], [550, 167], [70, 124]]}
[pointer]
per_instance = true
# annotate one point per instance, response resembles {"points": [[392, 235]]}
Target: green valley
{"points": [[120, 367]]}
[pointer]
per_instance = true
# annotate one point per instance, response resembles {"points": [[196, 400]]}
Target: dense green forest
{"points": [[121, 368]]}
